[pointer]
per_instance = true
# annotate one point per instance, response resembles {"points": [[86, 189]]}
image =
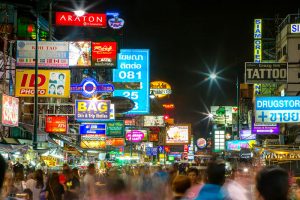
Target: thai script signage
{"points": [[133, 66], [51, 83], [277, 109], [92, 129], [56, 124], [96, 20], [160, 88], [92, 110], [266, 72], [104, 54], [50, 54]]}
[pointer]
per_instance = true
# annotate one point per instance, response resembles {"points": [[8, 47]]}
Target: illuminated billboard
{"points": [[56, 124], [136, 135], [160, 88], [104, 54], [9, 110], [96, 20], [51, 83], [222, 114], [154, 121], [80, 53], [178, 134], [237, 145], [92, 110], [257, 40]]}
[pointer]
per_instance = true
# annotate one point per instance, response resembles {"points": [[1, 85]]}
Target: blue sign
{"points": [[277, 109], [149, 151], [116, 23], [160, 149], [154, 151], [90, 87], [133, 66], [92, 129]]}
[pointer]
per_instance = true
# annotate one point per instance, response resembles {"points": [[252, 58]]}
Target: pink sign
{"points": [[135, 136]]}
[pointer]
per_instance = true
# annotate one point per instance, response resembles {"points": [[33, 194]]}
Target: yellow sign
{"points": [[49, 161], [286, 155], [51, 83], [93, 144], [160, 88]]}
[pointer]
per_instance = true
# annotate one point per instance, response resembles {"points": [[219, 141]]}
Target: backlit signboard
{"points": [[264, 129], [178, 134], [96, 20], [56, 124], [50, 54], [115, 142], [219, 113], [90, 87], [80, 53], [247, 135], [169, 106], [92, 129], [9, 110], [277, 109], [237, 145], [115, 128], [116, 22], [295, 28], [92, 110], [266, 72], [257, 40], [160, 88], [133, 66], [219, 140], [51, 83], [104, 54], [93, 144], [154, 121], [201, 143], [136, 135]]}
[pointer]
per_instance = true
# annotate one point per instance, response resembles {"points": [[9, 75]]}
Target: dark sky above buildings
{"points": [[187, 37]]}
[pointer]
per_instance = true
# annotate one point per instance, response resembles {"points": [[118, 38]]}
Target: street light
{"points": [[213, 76], [79, 13]]}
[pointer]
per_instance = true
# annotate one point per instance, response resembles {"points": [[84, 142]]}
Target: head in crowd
{"points": [[193, 174], [180, 185], [92, 169], [216, 173], [272, 183], [39, 178], [2, 170]]}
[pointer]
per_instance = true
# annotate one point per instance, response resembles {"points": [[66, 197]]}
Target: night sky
{"points": [[188, 38]]}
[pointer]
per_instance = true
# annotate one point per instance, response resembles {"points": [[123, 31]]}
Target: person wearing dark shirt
{"points": [[54, 190]]}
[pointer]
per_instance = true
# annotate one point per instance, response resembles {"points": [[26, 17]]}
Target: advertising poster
{"points": [[219, 113], [50, 54], [92, 110], [80, 53], [56, 124], [133, 66], [104, 54], [96, 20], [115, 129], [9, 108], [51, 83], [178, 134], [154, 121]]}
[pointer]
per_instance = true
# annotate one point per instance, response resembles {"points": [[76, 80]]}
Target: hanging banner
{"points": [[133, 66], [104, 54], [9, 110], [80, 53], [56, 124], [266, 72], [277, 109], [92, 110], [96, 20], [50, 54], [51, 83]]}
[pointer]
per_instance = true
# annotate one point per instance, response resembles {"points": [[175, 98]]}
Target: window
{"points": [[284, 50], [298, 46]]}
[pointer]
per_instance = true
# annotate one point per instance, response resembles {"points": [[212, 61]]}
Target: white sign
{"points": [[295, 28], [154, 121], [219, 140], [277, 109]]}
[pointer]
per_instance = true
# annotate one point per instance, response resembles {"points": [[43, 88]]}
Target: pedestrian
{"points": [[54, 190], [196, 185], [2, 170], [272, 183], [234, 189], [180, 186], [212, 189], [89, 183]]}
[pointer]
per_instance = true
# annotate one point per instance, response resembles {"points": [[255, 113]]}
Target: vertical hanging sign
{"points": [[133, 66], [257, 40]]}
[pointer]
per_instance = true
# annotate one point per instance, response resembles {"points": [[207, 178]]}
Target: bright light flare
{"points": [[211, 116], [79, 13], [213, 76]]}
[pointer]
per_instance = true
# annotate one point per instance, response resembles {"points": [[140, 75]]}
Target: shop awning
{"points": [[10, 141]]}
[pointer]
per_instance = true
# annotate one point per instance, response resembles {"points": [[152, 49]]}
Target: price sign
{"points": [[133, 66], [277, 109]]}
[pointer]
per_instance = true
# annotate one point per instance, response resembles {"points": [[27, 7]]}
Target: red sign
{"points": [[88, 19], [56, 124], [167, 149], [153, 137], [115, 142], [169, 106], [9, 111], [104, 54]]}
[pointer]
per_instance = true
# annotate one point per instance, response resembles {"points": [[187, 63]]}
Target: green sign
{"points": [[115, 129]]}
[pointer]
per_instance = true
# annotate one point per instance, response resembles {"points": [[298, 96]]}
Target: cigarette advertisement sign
{"points": [[56, 124], [92, 110], [97, 20], [80, 53], [277, 109], [51, 83], [266, 72], [50, 54], [104, 54], [133, 66], [9, 110], [178, 134]]}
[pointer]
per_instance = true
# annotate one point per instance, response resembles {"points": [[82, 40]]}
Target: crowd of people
{"points": [[147, 183]]}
